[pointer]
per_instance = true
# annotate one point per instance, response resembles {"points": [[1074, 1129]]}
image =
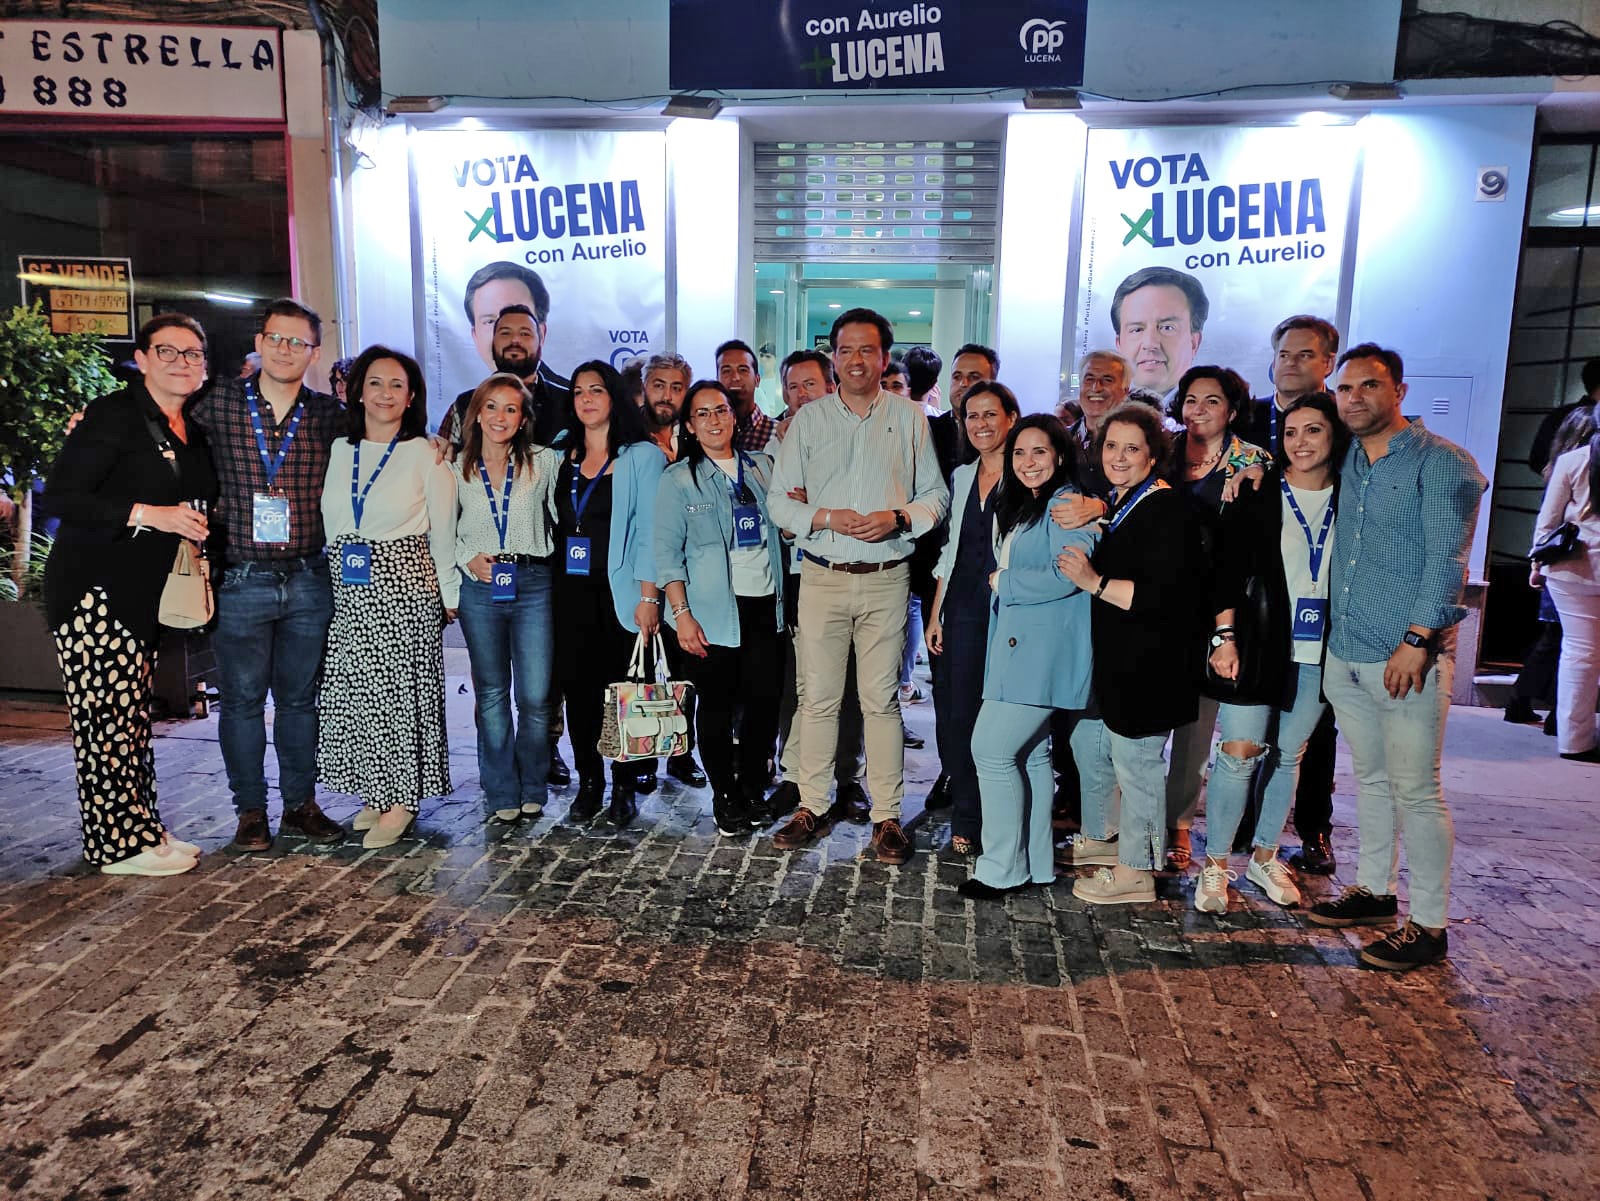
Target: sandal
{"points": [[1180, 853], [962, 845]]}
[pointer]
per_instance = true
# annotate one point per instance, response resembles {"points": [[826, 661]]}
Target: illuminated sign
{"points": [[81, 295]]}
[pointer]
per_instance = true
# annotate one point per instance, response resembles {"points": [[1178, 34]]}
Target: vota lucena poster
{"points": [[500, 215], [1197, 241]]}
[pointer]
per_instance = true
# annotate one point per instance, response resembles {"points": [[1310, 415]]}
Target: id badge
{"points": [[269, 518], [577, 555], [747, 526], [503, 582], [1310, 619], [355, 564]]}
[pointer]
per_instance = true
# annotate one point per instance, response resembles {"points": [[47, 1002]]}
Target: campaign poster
{"points": [[574, 218], [1197, 241]]}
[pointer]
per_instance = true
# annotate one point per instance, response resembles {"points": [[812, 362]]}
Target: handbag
{"points": [[187, 602], [1560, 543], [645, 718]]}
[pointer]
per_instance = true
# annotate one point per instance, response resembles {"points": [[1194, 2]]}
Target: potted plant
{"points": [[45, 377]]}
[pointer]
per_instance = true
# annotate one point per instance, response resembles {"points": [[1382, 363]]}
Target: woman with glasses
{"points": [[719, 559], [389, 509], [132, 480]]}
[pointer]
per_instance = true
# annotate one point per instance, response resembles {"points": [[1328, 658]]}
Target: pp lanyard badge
{"points": [[578, 543], [1310, 612], [746, 517], [269, 513], [355, 562], [502, 575]]}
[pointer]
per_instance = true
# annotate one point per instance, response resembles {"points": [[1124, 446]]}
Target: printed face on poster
{"points": [[570, 223], [1198, 241]]}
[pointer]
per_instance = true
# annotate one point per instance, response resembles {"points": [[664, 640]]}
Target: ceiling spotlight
{"points": [[1365, 91], [686, 105], [913, 312], [416, 104], [835, 306], [1051, 98]]}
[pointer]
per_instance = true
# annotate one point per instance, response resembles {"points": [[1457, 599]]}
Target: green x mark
{"points": [[818, 64], [1136, 229], [480, 225]]}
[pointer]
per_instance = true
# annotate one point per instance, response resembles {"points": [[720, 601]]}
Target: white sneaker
{"points": [[1116, 886], [1211, 892], [531, 809], [152, 861], [1275, 879], [507, 815], [1081, 851], [169, 840]]}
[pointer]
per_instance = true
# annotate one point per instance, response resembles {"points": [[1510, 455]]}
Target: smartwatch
{"points": [[902, 522], [1420, 641]]}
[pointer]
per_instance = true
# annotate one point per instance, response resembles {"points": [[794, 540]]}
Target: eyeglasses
{"points": [[169, 353], [295, 344], [719, 411]]}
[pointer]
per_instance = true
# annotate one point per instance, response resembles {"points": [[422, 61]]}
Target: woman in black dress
{"points": [[132, 479]]}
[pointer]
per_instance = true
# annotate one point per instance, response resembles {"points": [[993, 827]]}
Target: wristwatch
{"points": [[1423, 642], [902, 522], [1219, 638]]}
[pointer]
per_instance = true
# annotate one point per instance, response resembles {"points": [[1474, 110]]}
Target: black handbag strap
{"points": [[163, 444]]}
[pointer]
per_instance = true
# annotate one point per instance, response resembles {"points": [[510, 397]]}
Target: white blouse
{"points": [[415, 494], [532, 510]]}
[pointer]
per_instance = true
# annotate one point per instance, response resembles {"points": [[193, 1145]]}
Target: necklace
{"points": [[1204, 466]]}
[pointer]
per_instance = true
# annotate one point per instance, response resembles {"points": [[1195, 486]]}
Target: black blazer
{"points": [[110, 463], [1146, 674]]}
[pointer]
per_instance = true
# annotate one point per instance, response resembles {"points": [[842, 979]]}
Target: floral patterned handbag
{"points": [[645, 718]]}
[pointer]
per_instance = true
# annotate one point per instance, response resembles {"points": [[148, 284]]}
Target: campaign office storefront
{"points": [[961, 217]]}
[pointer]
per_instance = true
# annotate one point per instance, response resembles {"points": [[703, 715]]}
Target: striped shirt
{"points": [[1405, 526]]}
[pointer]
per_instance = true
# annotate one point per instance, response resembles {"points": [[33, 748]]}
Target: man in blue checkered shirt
{"points": [[1408, 502]]}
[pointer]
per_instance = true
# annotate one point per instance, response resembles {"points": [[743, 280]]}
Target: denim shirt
{"points": [[694, 537], [1405, 526]]}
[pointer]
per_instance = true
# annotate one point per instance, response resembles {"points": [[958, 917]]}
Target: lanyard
{"points": [[1321, 542], [1151, 484], [358, 502], [501, 514], [272, 464], [736, 490], [578, 506]]}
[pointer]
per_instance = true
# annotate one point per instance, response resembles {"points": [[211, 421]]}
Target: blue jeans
{"points": [[1132, 769], [1101, 806], [510, 646], [1279, 762], [1011, 748], [1395, 747], [272, 626]]}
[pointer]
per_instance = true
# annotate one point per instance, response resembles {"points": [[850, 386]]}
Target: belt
{"points": [[523, 560], [280, 566], [852, 568]]}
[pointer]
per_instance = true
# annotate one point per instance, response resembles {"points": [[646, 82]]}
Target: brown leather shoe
{"points": [[310, 820], [801, 830], [889, 842], [253, 833]]}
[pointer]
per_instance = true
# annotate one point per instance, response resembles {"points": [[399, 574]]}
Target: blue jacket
{"points": [[1039, 652], [694, 535]]}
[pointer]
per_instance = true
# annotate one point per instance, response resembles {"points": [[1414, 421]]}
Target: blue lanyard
{"points": [[358, 501], [501, 516], [1321, 542], [578, 506], [736, 491], [271, 464], [1138, 494]]}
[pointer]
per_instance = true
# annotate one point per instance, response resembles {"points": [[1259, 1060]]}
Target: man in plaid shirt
{"points": [[270, 436], [740, 374]]}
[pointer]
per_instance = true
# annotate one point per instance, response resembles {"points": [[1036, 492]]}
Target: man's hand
{"points": [[873, 527], [690, 636], [1077, 512], [1406, 669]]}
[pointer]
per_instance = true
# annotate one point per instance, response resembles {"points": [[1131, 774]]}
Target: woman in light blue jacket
{"points": [[605, 582], [1039, 659], [719, 560]]}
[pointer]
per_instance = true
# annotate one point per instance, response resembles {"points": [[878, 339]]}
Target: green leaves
{"points": [[44, 379]]}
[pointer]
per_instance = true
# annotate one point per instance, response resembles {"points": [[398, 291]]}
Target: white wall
{"points": [[380, 238], [713, 280]]}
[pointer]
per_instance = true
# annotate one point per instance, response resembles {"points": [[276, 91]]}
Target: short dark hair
{"points": [[795, 358], [896, 367], [1163, 277], [413, 422], [163, 321], [490, 272], [1323, 329], [1234, 390], [862, 317], [1324, 403], [1371, 350], [626, 425], [923, 365], [288, 306], [1156, 435], [736, 344], [977, 348], [1591, 376], [512, 309]]}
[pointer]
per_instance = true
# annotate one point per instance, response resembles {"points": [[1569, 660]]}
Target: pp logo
{"points": [[1039, 36], [1493, 183], [579, 552], [1310, 615], [502, 577], [747, 525], [355, 560]]}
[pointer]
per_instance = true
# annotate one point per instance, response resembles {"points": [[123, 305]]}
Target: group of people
{"points": [[1092, 592]]}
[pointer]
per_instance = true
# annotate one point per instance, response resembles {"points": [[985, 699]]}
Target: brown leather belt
{"points": [[852, 568]]}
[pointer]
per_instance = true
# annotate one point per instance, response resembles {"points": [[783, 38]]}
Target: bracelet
{"points": [[827, 519], [650, 600], [1104, 580], [1223, 630], [679, 610], [138, 517]]}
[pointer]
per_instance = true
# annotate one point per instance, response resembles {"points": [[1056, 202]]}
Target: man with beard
{"points": [[666, 382], [740, 373], [515, 345]]}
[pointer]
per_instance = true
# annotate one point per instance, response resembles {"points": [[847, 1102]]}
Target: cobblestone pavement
{"points": [[662, 1013]]}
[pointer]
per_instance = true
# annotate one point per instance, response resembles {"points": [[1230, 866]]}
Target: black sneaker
{"points": [[939, 796], [783, 800], [560, 776], [1408, 947], [731, 815], [586, 805], [1315, 856], [685, 770], [1355, 906]]}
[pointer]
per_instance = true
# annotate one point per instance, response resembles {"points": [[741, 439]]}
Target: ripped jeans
{"points": [[1279, 761]]}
